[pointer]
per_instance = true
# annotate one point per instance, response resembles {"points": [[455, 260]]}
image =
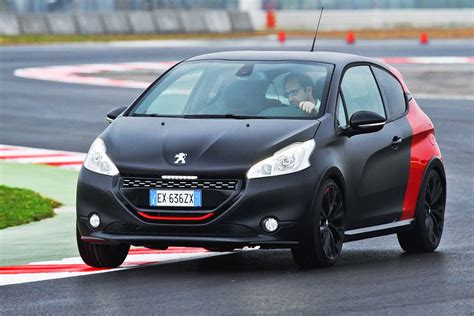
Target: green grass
{"points": [[21, 206], [49, 38]]}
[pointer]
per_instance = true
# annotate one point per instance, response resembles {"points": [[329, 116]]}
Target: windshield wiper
{"points": [[224, 116], [154, 115], [232, 116]]}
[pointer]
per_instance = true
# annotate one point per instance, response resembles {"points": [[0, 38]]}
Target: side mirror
{"points": [[363, 122], [112, 115]]}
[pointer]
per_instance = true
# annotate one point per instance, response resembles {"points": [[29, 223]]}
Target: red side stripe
{"points": [[171, 250], [176, 218]]}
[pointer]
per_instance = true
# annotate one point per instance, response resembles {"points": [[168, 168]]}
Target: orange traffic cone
{"points": [[424, 38], [271, 19], [282, 37], [350, 38]]}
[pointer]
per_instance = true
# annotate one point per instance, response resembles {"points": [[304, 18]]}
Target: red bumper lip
{"points": [[175, 218]]}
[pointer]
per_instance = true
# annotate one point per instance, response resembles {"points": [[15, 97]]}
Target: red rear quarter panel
{"points": [[424, 148]]}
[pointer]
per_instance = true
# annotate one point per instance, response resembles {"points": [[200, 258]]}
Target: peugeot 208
{"points": [[293, 150]]}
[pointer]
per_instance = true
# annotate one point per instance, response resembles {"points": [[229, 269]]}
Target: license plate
{"points": [[181, 198]]}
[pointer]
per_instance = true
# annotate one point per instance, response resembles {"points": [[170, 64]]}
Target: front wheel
{"points": [[426, 233], [100, 255], [323, 241]]}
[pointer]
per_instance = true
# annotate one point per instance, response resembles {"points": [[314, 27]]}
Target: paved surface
{"points": [[372, 277]]}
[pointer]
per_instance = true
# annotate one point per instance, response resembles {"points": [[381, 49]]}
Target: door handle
{"points": [[396, 141]]}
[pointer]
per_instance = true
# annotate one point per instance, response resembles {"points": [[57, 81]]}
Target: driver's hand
{"points": [[309, 106]]}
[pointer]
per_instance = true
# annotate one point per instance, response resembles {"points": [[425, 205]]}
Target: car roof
{"points": [[325, 57]]}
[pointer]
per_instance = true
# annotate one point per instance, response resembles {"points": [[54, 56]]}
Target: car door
{"points": [[396, 104], [373, 164]]}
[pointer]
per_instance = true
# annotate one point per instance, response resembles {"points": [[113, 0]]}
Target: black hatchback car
{"points": [[291, 150]]}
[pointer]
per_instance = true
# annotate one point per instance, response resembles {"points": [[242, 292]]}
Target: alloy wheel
{"points": [[331, 222], [434, 208]]}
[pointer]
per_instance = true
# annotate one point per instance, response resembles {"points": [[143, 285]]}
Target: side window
{"points": [[361, 92], [392, 92], [340, 113]]}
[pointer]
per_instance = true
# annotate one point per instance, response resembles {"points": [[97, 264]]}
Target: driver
{"points": [[299, 91]]}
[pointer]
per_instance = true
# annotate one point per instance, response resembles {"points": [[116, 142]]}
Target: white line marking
{"points": [[444, 97], [58, 268], [78, 73], [46, 160], [29, 155]]}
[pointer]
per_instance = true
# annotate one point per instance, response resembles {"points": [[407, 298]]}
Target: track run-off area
{"points": [[53, 104]]}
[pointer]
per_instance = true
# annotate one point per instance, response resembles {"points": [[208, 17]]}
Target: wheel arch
{"points": [[335, 174], [436, 164]]}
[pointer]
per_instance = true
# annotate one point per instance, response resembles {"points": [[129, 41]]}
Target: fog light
{"points": [[94, 220], [269, 224]]}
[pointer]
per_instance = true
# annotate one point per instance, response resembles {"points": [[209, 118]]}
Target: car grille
{"points": [[215, 193], [180, 184], [228, 230]]}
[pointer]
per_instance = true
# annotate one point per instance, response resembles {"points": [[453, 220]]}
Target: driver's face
{"points": [[295, 92]]}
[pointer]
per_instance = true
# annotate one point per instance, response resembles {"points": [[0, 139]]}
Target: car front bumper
{"points": [[237, 222]]}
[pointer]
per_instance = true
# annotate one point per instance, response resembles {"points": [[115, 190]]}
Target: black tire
{"points": [[323, 241], [427, 230], [101, 255]]}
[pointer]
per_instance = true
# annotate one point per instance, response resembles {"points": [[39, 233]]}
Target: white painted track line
{"points": [[72, 267], [63, 159]]}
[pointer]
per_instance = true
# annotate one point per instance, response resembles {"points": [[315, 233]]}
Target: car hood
{"points": [[220, 147]]}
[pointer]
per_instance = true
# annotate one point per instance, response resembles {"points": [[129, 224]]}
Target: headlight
{"points": [[98, 161], [290, 159]]}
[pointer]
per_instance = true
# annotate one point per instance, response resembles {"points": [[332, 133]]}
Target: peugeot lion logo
{"points": [[180, 158]]}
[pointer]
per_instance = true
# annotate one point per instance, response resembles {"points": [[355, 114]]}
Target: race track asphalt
{"points": [[372, 277]]}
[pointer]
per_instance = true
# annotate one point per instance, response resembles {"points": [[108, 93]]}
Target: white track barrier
{"points": [[90, 23], [62, 24], [117, 23], [168, 21], [9, 24], [217, 21], [192, 21], [33, 24], [367, 19], [142, 22], [241, 21]]}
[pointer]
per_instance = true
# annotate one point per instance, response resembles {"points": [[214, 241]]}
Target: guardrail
{"points": [[222, 21], [334, 20], [133, 22]]}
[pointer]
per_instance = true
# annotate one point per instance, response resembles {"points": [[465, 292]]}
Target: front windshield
{"points": [[247, 89]]}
